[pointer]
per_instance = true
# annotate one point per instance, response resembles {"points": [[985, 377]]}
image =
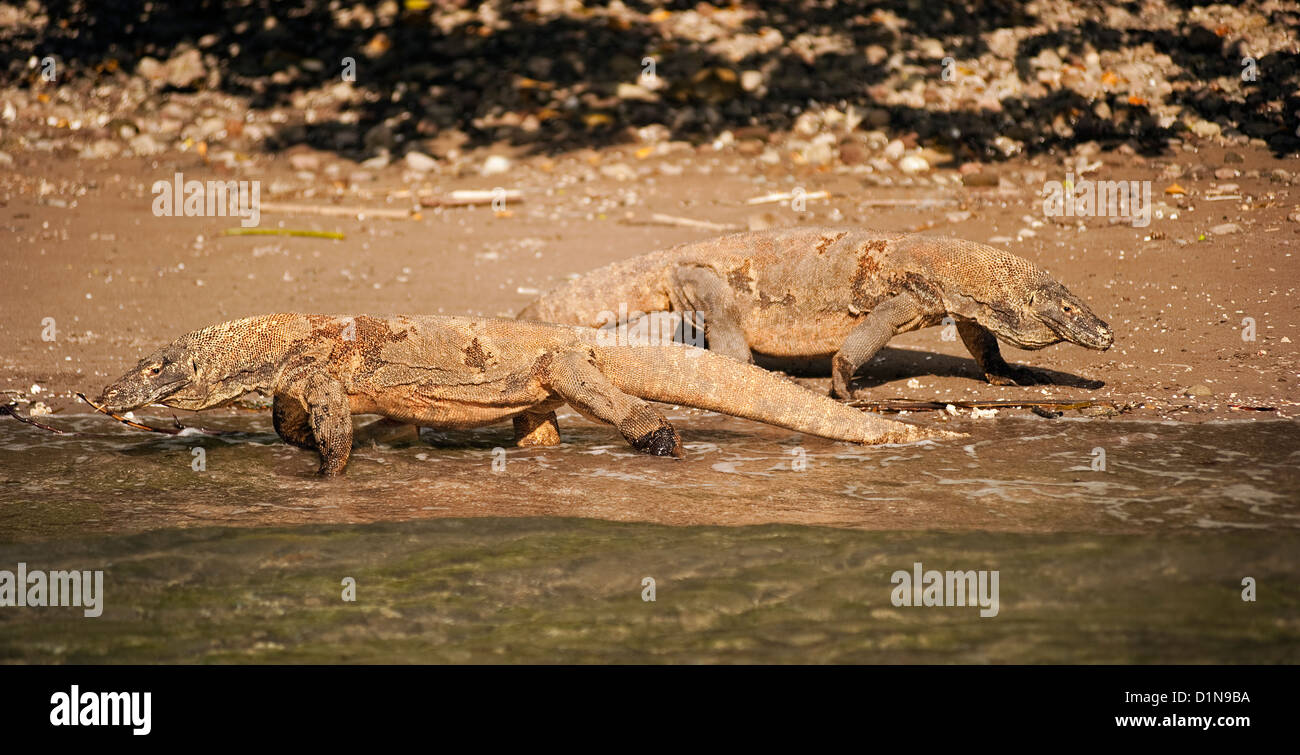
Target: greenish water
{"points": [[569, 590], [755, 558]]}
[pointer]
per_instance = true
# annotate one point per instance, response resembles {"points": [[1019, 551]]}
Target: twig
{"points": [[282, 232], [471, 197], [12, 411], [928, 202], [661, 219], [909, 405], [139, 426], [784, 195], [333, 209]]}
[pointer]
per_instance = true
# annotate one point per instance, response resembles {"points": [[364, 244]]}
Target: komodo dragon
{"points": [[463, 372], [813, 293]]}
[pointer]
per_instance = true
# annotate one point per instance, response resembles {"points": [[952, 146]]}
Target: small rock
{"points": [[1233, 158], [1225, 174], [101, 149], [185, 69], [39, 409], [894, 150], [420, 162], [1225, 229], [144, 144], [852, 154], [635, 92], [1199, 390], [618, 172], [913, 164], [152, 71], [304, 161], [958, 217], [495, 165]]}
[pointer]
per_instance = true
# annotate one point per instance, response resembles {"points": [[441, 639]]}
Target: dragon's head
{"points": [[202, 369]]}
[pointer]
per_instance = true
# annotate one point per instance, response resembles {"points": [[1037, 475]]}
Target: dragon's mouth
{"points": [[109, 400], [1095, 335]]}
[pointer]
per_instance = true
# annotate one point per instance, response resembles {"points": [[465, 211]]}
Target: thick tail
{"points": [[694, 377]]}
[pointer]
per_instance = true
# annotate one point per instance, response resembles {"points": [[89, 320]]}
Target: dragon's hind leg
{"points": [[574, 378], [537, 429]]}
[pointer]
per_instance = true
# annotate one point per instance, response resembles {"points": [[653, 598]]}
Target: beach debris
{"points": [[336, 235]]}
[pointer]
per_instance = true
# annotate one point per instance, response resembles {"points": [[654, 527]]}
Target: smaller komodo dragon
{"points": [[465, 372], [814, 293]]}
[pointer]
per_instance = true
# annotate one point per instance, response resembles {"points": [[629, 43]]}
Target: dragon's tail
{"points": [[694, 377]]}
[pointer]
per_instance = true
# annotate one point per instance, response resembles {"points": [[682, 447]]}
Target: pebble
{"points": [[304, 161], [495, 165], [144, 144], [913, 164], [1225, 229], [420, 162]]}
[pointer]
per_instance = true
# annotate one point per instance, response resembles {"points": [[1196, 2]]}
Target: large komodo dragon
{"points": [[814, 293], [462, 372]]}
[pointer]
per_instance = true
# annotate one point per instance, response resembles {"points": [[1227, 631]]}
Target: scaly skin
{"points": [[464, 372], [813, 293]]}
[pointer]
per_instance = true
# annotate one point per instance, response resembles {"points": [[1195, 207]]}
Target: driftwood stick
{"points": [[471, 197], [12, 411], [909, 405], [177, 430], [659, 218], [350, 211], [787, 195]]}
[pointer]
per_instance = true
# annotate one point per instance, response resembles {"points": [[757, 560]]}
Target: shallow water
{"points": [[543, 561], [1011, 474]]}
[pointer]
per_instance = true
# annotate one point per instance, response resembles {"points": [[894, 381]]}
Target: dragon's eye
{"points": [[1067, 308], [155, 370]]}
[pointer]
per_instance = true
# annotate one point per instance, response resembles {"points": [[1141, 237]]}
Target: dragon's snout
{"points": [[1097, 336]]}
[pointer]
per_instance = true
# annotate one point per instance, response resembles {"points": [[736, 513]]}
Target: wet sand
{"points": [[118, 282]]}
